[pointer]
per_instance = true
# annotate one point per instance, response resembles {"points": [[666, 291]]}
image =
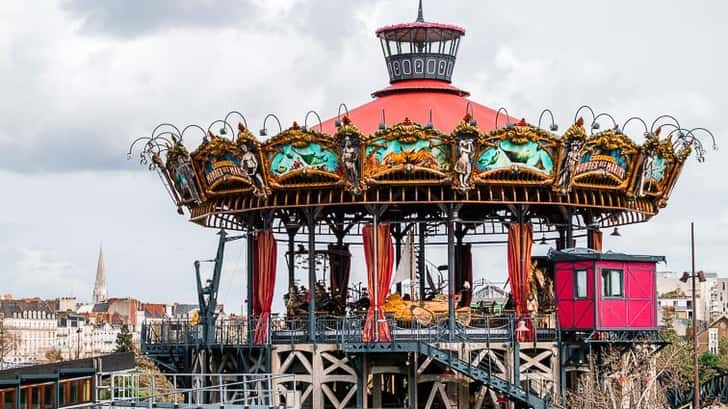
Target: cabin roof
{"points": [[581, 254]]}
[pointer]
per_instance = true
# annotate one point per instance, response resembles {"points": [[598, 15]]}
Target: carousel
{"points": [[420, 168]]}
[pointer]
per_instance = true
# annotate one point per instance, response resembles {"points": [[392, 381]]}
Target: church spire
{"points": [[101, 293]]}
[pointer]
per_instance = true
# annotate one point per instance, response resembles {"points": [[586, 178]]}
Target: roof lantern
{"points": [[420, 50]]}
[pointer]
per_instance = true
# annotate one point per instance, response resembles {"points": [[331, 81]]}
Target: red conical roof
{"points": [[415, 99]]}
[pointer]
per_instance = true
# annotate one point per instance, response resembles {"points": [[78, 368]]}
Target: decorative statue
{"points": [[252, 169], [570, 159], [464, 164], [184, 178], [350, 158], [646, 173]]}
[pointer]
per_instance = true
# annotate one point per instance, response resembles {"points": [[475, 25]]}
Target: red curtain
{"points": [[596, 240], [265, 278], [385, 262], [520, 242], [257, 309]]}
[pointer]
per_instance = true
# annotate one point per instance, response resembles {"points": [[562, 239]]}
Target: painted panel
{"points": [[601, 160], [432, 153], [530, 155], [292, 157]]}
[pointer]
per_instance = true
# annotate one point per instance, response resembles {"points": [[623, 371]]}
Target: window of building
{"points": [[580, 284], [612, 283], [713, 340]]}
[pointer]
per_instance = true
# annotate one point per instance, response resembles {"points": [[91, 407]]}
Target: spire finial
{"points": [[420, 16]]}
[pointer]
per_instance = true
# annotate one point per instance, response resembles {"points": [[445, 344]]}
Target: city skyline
{"points": [[102, 74]]}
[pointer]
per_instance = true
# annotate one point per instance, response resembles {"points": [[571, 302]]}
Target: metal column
{"points": [[451, 272], [421, 268], [311, 222]]}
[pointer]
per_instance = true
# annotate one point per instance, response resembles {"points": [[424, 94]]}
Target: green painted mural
{"points": [[313, 156], [530, 155]]}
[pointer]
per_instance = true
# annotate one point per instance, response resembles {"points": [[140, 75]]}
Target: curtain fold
{"points": [[520, 242], [596, 240], [257, 309], [385, 262], [340, 267], [265, 274]]}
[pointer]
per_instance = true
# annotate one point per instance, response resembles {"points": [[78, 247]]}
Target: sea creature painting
{"points": [[529, 155], [312, 156], [423, 153]]}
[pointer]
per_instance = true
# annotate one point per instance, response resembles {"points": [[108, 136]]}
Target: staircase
{"points": [[515, 393], [481, 374]]}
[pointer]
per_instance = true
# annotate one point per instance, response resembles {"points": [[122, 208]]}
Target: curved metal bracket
{"points": [[338, 114], [655, 122], [508, 116], [595, 123], [553, 127], [587, 107], [223, 130], [245, 121], [646, 132], [305, 120], [264, 131]]}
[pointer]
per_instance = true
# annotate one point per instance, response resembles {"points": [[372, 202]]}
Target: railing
{"points": [[138, 389], [332, 329]]}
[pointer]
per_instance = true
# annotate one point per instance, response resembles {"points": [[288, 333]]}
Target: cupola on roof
{"points": [[420, 58], [420, 50]]}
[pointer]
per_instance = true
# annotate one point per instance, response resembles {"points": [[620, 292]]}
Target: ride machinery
{"points": [[422, 161]]}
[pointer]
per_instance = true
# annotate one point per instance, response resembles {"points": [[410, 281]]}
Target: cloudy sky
{"points": [[83, 78]]}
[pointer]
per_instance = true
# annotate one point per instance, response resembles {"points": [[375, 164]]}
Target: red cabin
{"points": [[605, 291]]}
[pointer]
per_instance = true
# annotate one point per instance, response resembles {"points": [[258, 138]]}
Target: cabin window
{"points": [[579, 283], [612, 283]]}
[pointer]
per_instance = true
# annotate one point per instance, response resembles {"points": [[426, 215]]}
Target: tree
{"points": [[54, 355], [124, 341], [635, 377]]}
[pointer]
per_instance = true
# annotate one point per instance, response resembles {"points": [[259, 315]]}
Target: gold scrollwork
{"points": [[407, 153], [314, 169]]}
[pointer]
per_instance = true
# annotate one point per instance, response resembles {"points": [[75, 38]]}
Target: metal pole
{"points": [[422, 269], [291, 257], [312, 274], [696, 372], [450, 273], [250, 244]]}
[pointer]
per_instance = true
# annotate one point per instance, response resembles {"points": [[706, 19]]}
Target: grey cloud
{"points": [[130, 19]]}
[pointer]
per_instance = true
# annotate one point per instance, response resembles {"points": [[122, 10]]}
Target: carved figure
{"points": [[464, 164], [568, 164], [252, 169], [648, 169], [184, 178], [350, 158]]}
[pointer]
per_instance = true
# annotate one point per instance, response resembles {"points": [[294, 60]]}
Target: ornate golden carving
{"points": [[532, 165], [351, 153], [407, 149], [310, 170]]}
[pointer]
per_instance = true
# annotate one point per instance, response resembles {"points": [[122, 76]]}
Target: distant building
{"points": [[709, 338], [101, 292], [711, 299], [31, 326]]}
